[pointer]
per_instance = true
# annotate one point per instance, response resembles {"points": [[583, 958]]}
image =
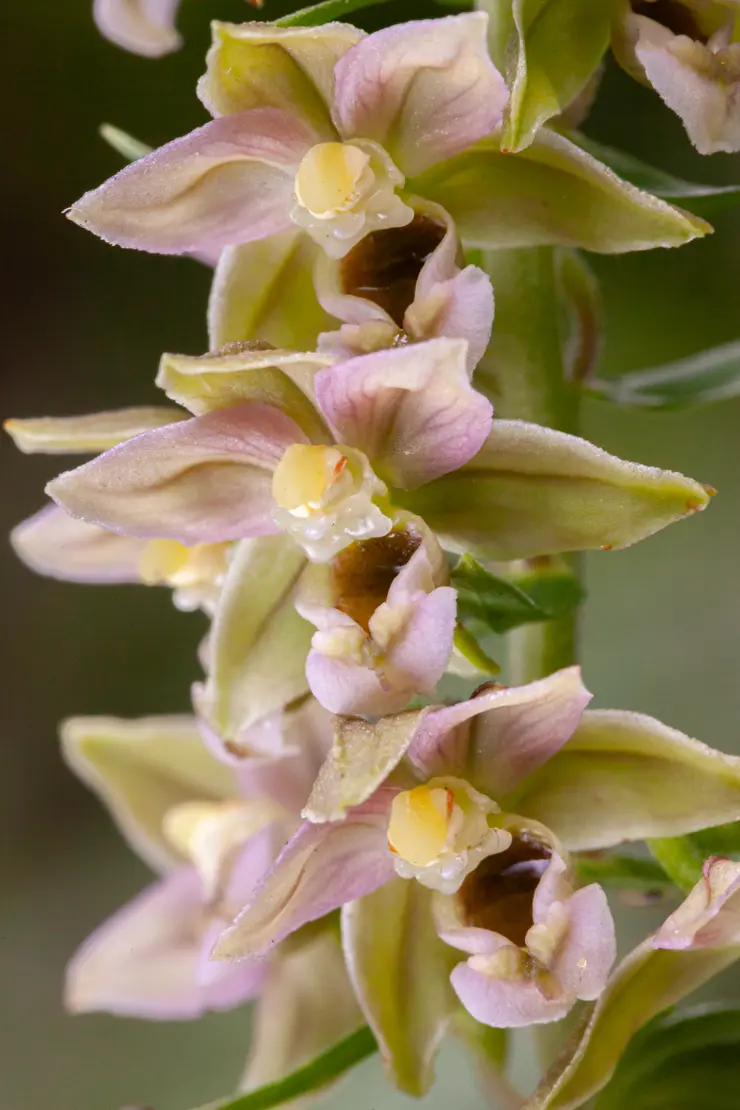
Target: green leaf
{"points": [[501, 605], [699, 379], [326, 12], [124, 144], [722, 840], [701, 199], [676, 1061], [626, 872], [680, 859], [320, 1072], [559, 45]]}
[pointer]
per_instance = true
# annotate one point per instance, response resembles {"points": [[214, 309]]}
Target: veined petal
{"points": [[411, 410], [400, 971], [497, 739], [425, 89], [259, 65], [321, 868], [259, 642], [496, 200], [252, 285], [306, 1006], [626, 776], [144, 961], [141, 769], [362, 757], [533, 491], [230, 181], [143, 26], [246, 372], [98, 431], [55, 544], [204, 480]]}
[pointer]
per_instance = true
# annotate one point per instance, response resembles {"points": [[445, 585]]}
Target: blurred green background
{"points": [[84, 326]]}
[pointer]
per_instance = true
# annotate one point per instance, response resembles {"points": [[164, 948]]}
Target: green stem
{"points": [[312, 1077], [524, 373]]}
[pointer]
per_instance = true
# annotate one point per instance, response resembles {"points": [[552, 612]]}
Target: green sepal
{"points": [[701, 199], [700, 379], [554, 48]]}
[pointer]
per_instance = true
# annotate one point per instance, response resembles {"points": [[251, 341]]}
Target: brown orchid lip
{"points": [[499, 894], [384, 266], [363, 573]]}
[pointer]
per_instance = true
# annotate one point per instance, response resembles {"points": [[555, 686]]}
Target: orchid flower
{"points": [[213, 830], [479, 804], [142, 26], [396, 429], [385, 615], [55, 544], [324, 135], [689, 52]]}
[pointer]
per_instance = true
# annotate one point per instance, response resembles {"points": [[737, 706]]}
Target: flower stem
{"points": [[525, 373]]}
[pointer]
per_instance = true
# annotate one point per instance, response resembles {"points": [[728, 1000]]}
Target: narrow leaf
{"points": [[699, 379], [320, 1072], [676, 1060], [701, 199], [124, 144], [722, 840], [325, 12], [626, 872]]}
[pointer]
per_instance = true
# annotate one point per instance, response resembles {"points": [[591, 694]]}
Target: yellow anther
{"points": [[304, 475], [419, 823], [332, 177], [163, 561]]}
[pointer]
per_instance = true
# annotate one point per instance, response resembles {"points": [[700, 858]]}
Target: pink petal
{"points": [[58, 545], [710, 915], [426, 89], [349, 689], [589, 950], [321, 868], [202, 480], [230, 181], [420, 654], [144, 961], [143, 26], [500, 737], [504, 1003], [412, 410]]}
